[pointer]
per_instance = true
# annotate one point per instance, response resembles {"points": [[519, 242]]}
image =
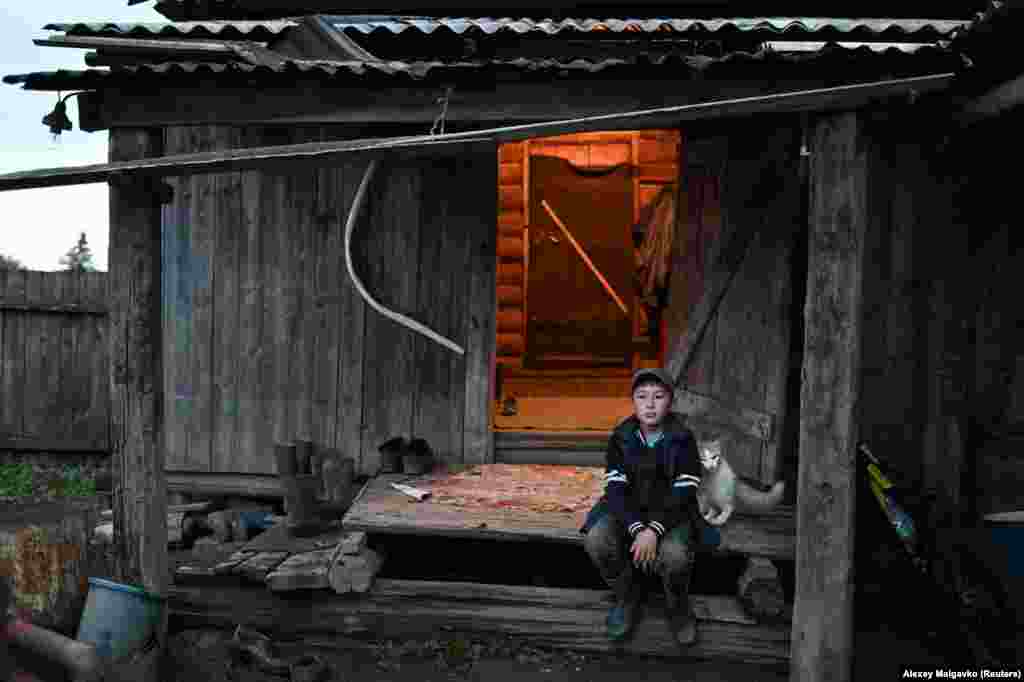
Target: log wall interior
{"points": [[654, 154], [269, 341]]}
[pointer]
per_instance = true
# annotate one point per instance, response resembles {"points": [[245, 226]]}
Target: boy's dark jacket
{"points": [[650, 487]]}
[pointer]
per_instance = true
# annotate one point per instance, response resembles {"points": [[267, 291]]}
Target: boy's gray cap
{"points": [[656, 373]]}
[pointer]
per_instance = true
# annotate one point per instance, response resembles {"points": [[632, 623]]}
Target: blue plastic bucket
{"points": [[118, 619]]}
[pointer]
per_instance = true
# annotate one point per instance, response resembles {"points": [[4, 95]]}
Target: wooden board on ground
{"points": [[277, 539], [561, 618], [496, 509], [233, 560], [197, 565], [305, 571], [354, 572], [257, 568], [353, 542]]}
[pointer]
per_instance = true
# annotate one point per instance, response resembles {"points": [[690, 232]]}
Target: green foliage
{"points": [[79, 257], [75, 485], [16, 480]]}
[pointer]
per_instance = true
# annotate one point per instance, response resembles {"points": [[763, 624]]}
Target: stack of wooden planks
{"points": [[337, 560]]}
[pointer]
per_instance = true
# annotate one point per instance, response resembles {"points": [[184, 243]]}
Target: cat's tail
{"points": [[756, 500]]}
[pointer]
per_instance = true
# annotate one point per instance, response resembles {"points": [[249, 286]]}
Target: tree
{"points": [[9, 263], [79, 257]]}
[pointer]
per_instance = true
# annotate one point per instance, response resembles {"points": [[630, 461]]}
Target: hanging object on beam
{"points": [[390, 314]]}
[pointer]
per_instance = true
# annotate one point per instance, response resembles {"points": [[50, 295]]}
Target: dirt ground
{"points": [[202, 656], [199, 656]]}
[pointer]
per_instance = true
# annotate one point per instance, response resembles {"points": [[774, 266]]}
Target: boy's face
{"points": [[650, 403]]}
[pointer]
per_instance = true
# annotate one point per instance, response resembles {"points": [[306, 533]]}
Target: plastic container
{"points": [[118, 619], [1006, 531]]}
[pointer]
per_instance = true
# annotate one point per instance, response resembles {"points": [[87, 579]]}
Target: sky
{"points": [[38, 226]]}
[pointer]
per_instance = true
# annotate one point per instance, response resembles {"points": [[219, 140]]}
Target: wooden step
{"points": [[571, 619], [582, 448], [382, 509]]}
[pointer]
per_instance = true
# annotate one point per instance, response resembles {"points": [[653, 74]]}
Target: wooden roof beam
{"points": [[998, 100], [136, 44], [250, 51], [845, 97], [214, 162]]}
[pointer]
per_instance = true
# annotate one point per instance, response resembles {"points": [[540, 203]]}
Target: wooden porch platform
{"points": [[515, 503]]}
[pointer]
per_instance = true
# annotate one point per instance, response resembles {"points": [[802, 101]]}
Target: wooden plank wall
{"points": [[653, 153], [273, 343], [54, 393], [918, 291], [744, 358], [895, 308]]}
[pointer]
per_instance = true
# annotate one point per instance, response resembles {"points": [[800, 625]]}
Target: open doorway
{"points": [[574, 320]]}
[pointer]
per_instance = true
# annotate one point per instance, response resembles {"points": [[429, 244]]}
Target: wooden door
{"points": [[739, 383], [572, 314]]}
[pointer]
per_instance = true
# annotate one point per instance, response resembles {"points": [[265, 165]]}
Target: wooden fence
{"points": [[54, 394]]}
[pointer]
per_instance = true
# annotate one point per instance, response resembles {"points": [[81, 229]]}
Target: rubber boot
{"points": [[622, 616], [681, 619]]}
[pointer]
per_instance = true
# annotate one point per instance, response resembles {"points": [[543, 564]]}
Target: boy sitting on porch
{"points": [[649, 506]]}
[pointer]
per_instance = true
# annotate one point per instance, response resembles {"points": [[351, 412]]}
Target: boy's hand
{"points": [[645, 549]]}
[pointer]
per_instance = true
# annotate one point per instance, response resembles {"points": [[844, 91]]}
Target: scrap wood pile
{"points": [[336, 560]]}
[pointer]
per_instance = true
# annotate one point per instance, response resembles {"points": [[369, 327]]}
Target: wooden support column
{"points": [[136, 371], [822, 640]]}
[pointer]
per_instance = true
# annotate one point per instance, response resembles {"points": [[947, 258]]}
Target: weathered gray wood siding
{"points": [[746, 181], [268, 339]]}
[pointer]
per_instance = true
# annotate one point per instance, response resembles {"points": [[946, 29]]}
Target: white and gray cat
{"points": [[720, 489]]}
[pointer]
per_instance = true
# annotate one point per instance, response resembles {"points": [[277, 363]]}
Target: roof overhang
{"points": [[836, 98]]}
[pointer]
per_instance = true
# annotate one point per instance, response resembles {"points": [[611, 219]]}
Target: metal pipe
{"points": [[415, 326]]}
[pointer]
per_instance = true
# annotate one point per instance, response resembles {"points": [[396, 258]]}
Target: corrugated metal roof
{"points": [[249, 30], [928, 29], [830, 59]]}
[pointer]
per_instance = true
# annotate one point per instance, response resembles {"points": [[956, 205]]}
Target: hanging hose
{"points": [[353, 213]]}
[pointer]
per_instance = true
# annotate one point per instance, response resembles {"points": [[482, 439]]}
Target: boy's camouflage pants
{"points": [[607, 543]]}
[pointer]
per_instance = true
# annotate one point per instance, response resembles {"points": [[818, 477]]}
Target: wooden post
{"points": [[136, 372], [822, 639]]}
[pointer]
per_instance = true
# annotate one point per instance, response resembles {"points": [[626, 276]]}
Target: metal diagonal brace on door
{"points": [[586, 259]]}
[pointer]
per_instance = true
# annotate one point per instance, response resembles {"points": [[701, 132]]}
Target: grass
{"points": [[16, 480], [73, 485]]}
